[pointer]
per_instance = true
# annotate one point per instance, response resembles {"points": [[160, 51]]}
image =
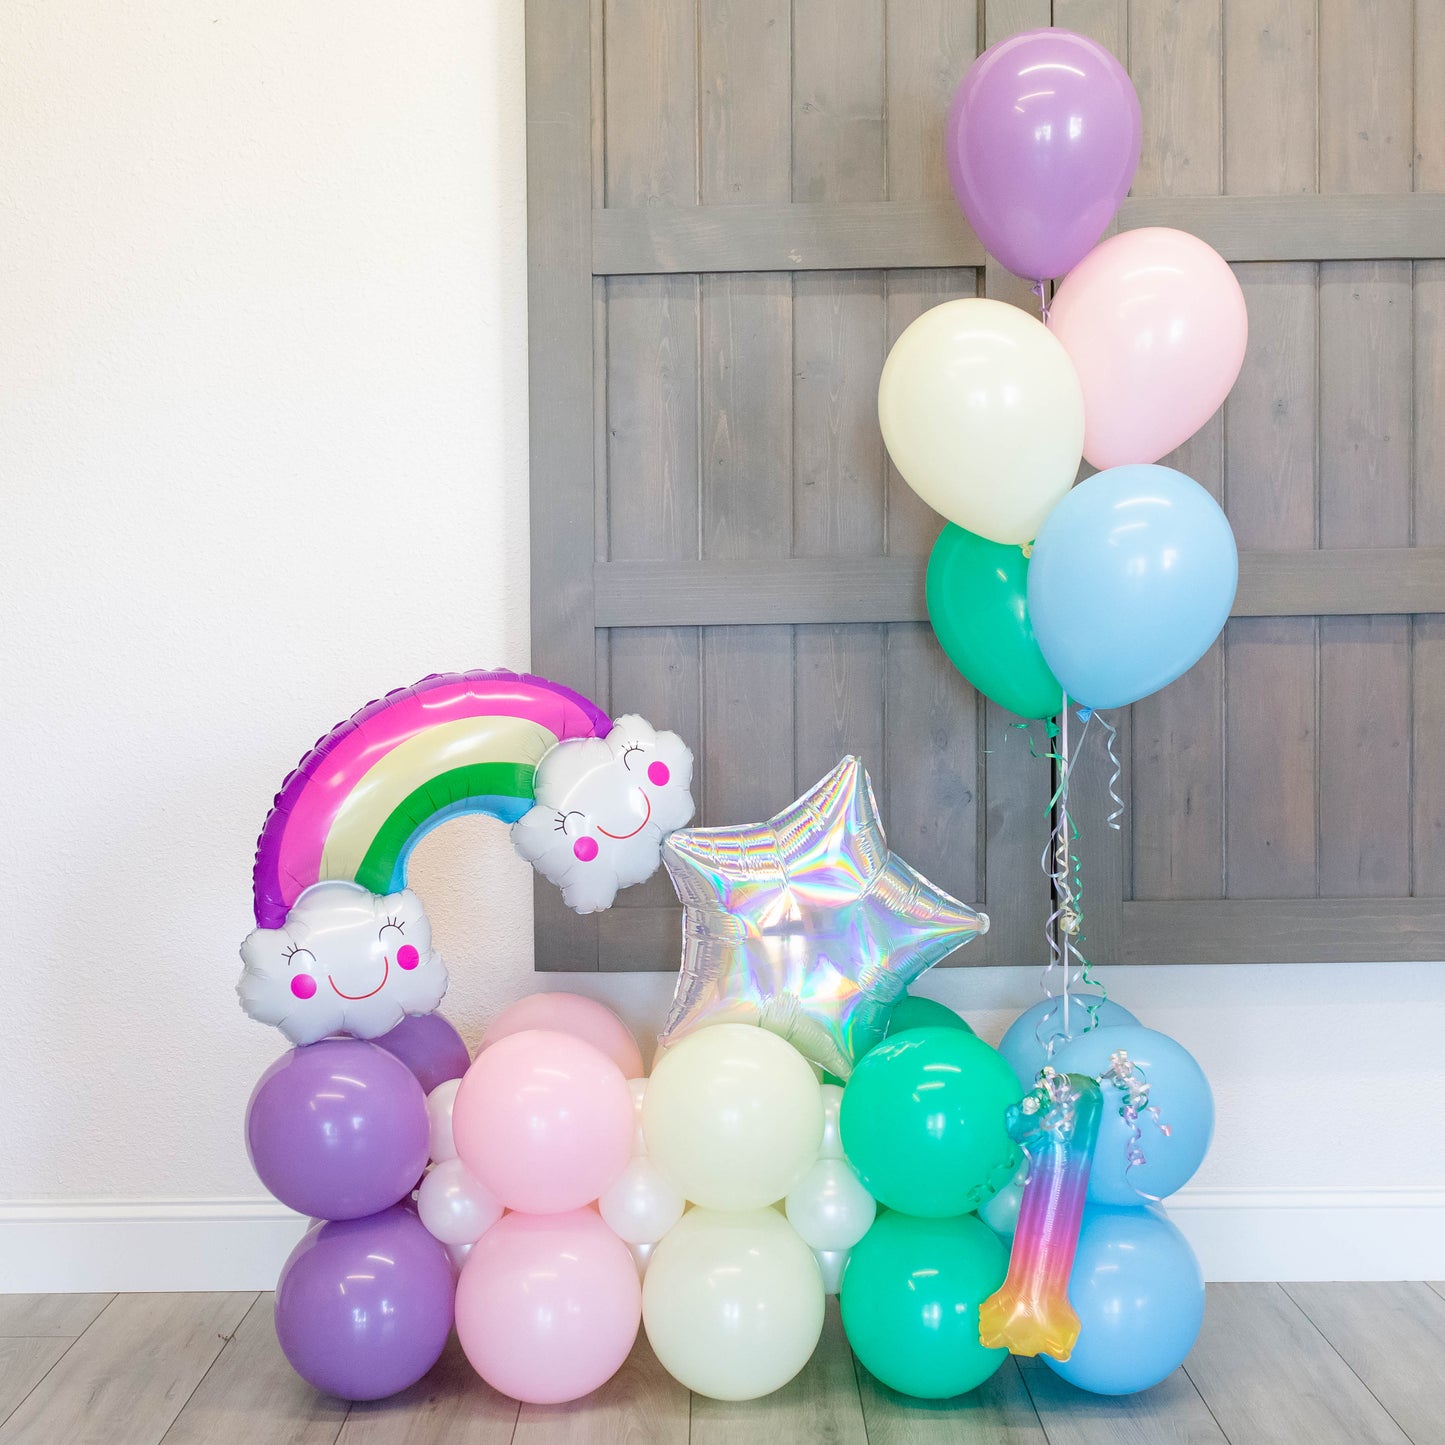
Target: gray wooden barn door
{"points": [[736, 205]]}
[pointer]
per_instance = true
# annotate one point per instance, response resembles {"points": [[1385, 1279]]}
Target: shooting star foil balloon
{"points": [[806, 924]]}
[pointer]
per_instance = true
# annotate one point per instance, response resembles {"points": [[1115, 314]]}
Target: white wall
{"points": [[264, 418]]}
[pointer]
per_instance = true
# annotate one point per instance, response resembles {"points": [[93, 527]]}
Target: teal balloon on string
{"points": [[977, 596]]}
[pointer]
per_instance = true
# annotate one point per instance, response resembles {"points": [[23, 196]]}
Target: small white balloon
{"points": [[832, 1145], [830, 1208], [641, 1256], [439, 1120], [641, 1206], [638, 1088], [830, 1266], [458, 1254], [455, 1207]]}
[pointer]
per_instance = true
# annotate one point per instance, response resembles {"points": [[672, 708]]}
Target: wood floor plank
{"points": [[23, 1364], [1270, 1378], [451, 1404], [1171, 1412], [252, 1392], [640, 1405], [62, 1315], [1393, 1337], [126, 1378], [820, 1404], [999, 1412]]}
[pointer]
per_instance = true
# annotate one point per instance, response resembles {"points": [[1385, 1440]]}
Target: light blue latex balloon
{"points": [[1131, 579], [1139, 1295], [1177, 1088], [1025, 1045]]}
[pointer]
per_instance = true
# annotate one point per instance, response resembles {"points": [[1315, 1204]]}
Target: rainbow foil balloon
{"points": [[1057, 1125], [341, 943]]}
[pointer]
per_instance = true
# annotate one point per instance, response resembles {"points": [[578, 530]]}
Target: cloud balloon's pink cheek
{"points": [[303, 986], [407, 957], [585, 849], [659, 774]]}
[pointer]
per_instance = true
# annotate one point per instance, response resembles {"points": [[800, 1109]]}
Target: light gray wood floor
{"points": [[1276, 1363]]}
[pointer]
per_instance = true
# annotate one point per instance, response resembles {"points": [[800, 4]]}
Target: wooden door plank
{"points": [[999, 1412], [61, 1315], [24, 1363], [820, 1404], [252, 1392], [928, 46], [1393, 1337], [451, 1405], [838, 482], [650, 452], [1270, 1378], [640, 1405], [1172, 1411], [745, 94], [1176, 782], [868, 235], [126, 1378], [560, 323], [1365, 458]]}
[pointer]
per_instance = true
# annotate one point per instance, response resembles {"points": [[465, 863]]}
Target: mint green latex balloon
{"points": [[977, 594], [911, 1012], [922, 1122], [910, 1299]]}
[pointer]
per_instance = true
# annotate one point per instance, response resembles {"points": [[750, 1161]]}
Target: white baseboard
{"points": [[106, 1247], [240, 1244]]}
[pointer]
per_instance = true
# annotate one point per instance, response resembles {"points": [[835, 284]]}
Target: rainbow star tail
{"points": [[1007, 1320]]}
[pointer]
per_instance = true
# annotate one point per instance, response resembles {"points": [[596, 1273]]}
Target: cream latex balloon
{"points": [[733, 1302], [983, 415], [733, 1116]]}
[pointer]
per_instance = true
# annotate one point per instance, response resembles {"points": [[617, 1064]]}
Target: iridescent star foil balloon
{"points": [[806, 924]]}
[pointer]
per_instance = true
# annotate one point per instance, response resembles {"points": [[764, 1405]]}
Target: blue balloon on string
{"points": [[1026, 1044], [1177, 1089], [1139, 1295], [1131, 579]]}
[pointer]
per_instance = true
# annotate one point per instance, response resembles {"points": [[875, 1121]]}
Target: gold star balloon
{"points": [[806, 924]]}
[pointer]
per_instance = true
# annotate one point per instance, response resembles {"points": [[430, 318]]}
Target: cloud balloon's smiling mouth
{"points": [[647, 802], [385, 974]]}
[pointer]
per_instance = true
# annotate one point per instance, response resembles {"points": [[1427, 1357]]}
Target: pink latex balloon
{"points": [[544, 1121], [1155, 324], [548, 1306], [570, 1013]]}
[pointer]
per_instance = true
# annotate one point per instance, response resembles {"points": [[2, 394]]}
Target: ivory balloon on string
{"points": [[982, 415]]}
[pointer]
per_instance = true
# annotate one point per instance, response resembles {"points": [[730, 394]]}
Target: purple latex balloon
{"points": [[430, 1047], [338, 1129], [1043, 139], [363, 1306]]}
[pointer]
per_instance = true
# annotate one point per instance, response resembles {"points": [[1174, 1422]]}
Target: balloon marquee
{"points": [[808, 1127]]}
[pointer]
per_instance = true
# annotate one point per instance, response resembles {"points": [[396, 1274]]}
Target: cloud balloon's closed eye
{"points": [[604, 805], [345, 960]]}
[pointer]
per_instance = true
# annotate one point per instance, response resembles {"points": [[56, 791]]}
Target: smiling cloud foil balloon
{"points": [[604, 805], [344, 960]]}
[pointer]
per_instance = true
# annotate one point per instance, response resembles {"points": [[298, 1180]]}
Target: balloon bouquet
{"points": [[1044, 594], [547, 1199]]}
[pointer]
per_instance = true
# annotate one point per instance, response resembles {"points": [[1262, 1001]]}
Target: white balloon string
{"points": [[1111, 733]]}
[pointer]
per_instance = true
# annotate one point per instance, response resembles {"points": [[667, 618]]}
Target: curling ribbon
{"points": [[1057, 1126], [1126, 1076]]}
